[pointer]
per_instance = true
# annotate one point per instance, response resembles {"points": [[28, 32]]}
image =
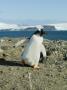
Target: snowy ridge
{"points": [[4, 26], [60, 26], [8, 26]]}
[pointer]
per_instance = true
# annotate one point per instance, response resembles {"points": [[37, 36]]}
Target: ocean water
{"points": [[52, 35]]}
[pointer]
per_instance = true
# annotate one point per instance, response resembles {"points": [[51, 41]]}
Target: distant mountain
{"points": [[48, 27], [17, 27], [5, 26], [60, 26]]}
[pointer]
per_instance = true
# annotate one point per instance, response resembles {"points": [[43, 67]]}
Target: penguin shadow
{"points": [[4, 62]]}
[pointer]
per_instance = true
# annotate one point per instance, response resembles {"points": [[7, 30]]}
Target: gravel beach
{"points": [[52, 74]]}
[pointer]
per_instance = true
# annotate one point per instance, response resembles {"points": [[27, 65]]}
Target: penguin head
{"points": [[40, 32]]}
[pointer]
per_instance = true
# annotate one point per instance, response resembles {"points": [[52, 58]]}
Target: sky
{"points": [[33, 11]]}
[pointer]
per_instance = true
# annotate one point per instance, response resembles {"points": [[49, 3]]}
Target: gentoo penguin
{"points": [[32, 51]]}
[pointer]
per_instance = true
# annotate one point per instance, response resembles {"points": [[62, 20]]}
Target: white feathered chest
{"points": [[31, 53]]}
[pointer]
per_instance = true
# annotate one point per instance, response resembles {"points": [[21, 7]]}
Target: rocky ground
{"points": [[52, 74]]}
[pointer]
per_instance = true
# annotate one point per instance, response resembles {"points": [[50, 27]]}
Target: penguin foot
{"points": [[22, 62], [36, 67]]}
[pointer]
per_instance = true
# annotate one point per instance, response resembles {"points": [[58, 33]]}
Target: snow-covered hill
{"points": [[60, 26], [8, 26], [4, 26]]}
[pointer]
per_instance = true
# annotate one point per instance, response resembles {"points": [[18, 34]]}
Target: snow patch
{"points": [[60, 26]]}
